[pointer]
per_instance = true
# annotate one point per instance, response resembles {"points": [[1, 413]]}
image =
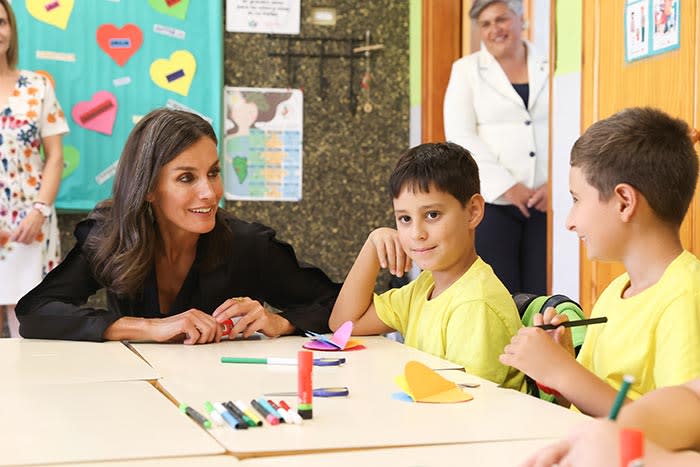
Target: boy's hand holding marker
{"points": [[556, 345]]}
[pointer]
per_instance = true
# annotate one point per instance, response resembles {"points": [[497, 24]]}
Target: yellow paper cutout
{"points": [[425, 385], [56, 13], [175, 74]]}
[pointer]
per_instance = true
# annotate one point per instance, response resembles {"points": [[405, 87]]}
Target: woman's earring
{"points": [[526, 24]]}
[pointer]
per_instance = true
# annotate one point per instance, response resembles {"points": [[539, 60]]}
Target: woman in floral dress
{"points": [[30, 117]]}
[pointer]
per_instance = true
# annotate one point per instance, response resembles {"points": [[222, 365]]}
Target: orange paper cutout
{"points": [[425, 385]]}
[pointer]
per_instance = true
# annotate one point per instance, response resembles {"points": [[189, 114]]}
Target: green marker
{"points": [[196, 416], [620, 398], [213, 414], [244, 360]]}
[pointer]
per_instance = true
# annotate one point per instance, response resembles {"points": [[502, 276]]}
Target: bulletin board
{"points": [[113, 61]]}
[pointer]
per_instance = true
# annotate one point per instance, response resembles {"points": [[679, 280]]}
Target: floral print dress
{"points": [[32, 113]]}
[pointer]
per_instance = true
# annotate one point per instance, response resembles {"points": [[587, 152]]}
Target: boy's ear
{"points": [[475, 210], [627, 201]]}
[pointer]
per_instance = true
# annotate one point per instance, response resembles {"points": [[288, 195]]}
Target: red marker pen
{"points": [[305, 386]]}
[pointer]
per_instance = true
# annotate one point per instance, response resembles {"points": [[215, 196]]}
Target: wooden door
{"points": [[668, 81]]}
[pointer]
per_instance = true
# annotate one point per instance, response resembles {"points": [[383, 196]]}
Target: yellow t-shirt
{"points": [[653, 336], [469, 323]]}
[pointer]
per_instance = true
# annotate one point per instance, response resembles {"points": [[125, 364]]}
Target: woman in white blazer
{"points": [[496, 106]]}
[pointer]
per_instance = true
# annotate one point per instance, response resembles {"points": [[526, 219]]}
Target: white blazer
{"points": [[484, 114]]}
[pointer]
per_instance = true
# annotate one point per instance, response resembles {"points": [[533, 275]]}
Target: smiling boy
{"points": [[456, 309], [632, 178]]}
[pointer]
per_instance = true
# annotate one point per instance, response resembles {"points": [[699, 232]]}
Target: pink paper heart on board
{"points": [[97, 114]]}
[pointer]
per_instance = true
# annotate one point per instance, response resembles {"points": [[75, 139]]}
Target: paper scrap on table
{"points": [[424, 385], [340, 340]]}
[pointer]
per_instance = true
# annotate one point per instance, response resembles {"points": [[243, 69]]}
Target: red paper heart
{"points": [[119, 43]]}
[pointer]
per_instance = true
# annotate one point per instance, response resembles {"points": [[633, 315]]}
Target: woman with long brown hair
{"points": [[174, 265]]}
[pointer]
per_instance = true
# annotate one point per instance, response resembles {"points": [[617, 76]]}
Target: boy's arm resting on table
{"points": [[355, 301], [668, 416], [535, 353]]}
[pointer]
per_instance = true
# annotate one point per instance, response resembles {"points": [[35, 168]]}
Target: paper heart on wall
{"points": [[53, 12], [176, 73], [119, 43], [97, 114], [176, 8]]}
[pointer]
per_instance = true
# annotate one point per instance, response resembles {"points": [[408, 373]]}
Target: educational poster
{"points": [[113, 61], [636, 30], [263, 144], [652, 27], [666, 28], [263, 16]]}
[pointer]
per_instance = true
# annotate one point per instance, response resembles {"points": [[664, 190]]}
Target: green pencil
{"points": [[620, 398]]}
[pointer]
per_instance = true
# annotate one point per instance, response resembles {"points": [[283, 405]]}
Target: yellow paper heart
{"points": [[425, 385], [175, 74], [53, 12]]}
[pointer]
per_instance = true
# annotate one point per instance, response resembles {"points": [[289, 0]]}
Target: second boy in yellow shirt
{"points": [[457, 308], [632, 178]]}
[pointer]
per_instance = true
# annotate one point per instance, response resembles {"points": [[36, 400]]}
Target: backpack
{"points": [[529, 305]]}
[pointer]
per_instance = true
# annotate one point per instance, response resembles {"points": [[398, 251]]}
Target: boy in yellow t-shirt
{"points": [[632, 178], [457, 308]]}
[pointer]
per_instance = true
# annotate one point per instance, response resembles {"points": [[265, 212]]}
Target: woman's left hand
{"points": [[253, 317], [29, 228], [540, 199]]}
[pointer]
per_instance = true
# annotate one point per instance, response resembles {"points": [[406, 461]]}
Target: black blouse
{"points": [[257, 265]]}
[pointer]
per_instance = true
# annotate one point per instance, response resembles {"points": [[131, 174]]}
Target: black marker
{"points": [[571, 324]]}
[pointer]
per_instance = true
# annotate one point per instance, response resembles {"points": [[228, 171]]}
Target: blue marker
{"points": [[270, 409]]}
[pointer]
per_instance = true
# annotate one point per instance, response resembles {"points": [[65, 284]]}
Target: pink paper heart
{"points": [[97, 114], [342, 335], [340, 338]]}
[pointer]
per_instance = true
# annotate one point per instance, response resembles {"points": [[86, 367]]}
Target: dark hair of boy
{"points": [[447, 167], [647, 149]]}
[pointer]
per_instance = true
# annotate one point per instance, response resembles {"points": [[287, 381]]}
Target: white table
{"points": [[369, 418], [196, 461], [497, 454], [58, 423], [36, 361]]}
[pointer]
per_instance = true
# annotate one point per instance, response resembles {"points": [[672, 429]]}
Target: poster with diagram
{"points": [[113, 61], [652, 27], [263, 144]]}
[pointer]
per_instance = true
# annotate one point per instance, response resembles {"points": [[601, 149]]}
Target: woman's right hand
{"points": [[518, 195], [389, 251], [190, 327]]}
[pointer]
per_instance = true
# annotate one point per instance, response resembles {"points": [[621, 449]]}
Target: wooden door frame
{"points": [[446, 36], [441, 44]]}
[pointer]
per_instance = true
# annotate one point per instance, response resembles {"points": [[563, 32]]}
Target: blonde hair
{"points": [[13, 50]]}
